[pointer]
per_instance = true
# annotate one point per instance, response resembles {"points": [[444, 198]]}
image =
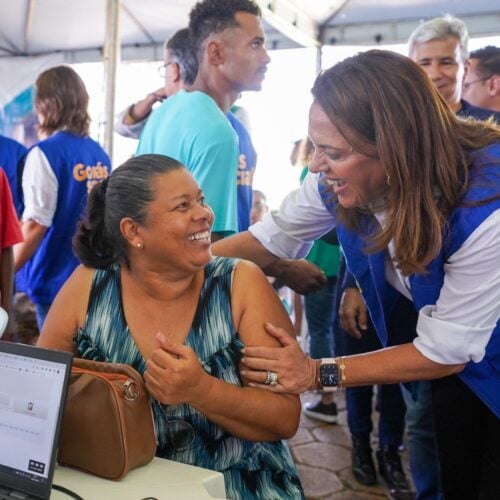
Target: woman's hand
{"points": [[296, 372], [352, 313], [174, 374]]}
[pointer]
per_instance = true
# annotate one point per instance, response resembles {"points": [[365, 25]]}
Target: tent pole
{"points": [[111, 58], [319, 58]]}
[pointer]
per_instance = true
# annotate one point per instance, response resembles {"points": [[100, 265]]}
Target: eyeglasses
{"points": [[466, 85], [163, 69]]}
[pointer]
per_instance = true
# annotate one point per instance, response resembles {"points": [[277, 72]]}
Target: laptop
{"points": [[33, 389]]}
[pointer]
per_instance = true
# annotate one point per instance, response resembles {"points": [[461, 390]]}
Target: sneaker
{"points": [[319, 411]]}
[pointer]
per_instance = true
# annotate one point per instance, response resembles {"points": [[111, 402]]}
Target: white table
{"points": [[160, 479]]}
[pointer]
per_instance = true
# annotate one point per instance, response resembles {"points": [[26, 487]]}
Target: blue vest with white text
{"points": [[482, 378], [247, 162], [78, 163]]}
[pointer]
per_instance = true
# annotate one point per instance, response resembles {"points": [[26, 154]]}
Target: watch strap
{"points": [[328, 361]]}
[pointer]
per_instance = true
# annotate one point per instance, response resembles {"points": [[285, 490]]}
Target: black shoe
{"points": [[363, 467], [391, 468], [320, 411]]}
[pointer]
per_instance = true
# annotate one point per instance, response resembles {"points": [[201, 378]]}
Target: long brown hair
{"points": [[384, 101], [61, 100]]}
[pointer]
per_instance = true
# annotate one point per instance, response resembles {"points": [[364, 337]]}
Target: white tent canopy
{"points": [[78, 27], [36, 34]]}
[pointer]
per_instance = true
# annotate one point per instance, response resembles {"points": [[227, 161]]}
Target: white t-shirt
{"points": [[40, 188]]}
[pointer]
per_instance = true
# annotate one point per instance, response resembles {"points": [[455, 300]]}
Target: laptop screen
{"points": [[33, 387]]}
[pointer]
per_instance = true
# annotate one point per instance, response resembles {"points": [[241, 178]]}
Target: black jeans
{"points": [[389, 400], [468, 440]]}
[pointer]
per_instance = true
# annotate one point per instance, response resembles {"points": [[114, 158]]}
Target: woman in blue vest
{"points": [[60, 170], [414, 193]]}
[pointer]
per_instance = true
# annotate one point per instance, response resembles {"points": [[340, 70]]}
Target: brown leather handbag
{"points": [[108, 425]]}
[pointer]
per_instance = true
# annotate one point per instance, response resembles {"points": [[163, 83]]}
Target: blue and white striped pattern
{"points": [[252, 470]]}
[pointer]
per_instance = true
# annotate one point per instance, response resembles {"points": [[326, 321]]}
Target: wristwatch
{"points": [[329, 378]]}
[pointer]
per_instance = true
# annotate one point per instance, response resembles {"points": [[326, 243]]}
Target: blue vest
{"points": [[246, 168], [468, 109], [12, 154], [483, 378], [78, 163]]}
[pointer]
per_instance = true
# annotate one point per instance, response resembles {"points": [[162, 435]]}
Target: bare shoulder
{"points": [[81, 276], [75, 293], [247, 278], [67, 312], [245, 270], [255, 302]]}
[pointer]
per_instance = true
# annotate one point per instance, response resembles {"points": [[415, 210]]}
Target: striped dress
{"points": [[252, 470]]}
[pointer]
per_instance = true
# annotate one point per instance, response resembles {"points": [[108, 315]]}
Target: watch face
{"points": [[329, 375]]}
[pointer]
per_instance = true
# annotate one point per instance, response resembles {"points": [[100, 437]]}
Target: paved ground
{"points": [[322, 453]]}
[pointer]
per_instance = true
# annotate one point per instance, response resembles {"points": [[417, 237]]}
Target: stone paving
{"points": [[322, 453]]}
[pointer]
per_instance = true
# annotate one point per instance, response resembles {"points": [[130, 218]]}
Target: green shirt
{"points": [[325, 255]]}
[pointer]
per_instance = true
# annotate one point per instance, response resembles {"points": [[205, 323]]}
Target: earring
{"points": [[388, 180], [139, 245]]}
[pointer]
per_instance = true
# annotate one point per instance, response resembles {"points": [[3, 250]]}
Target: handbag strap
{"points": [[130, 389], [108, 368]]}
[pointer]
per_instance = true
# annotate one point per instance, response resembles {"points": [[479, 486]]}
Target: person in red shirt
{"points": [[10, 234]]}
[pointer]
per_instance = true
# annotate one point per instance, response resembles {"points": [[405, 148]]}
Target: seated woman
{"points": [[150, 294]]}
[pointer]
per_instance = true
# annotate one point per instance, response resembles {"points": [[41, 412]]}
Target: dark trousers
{"points": [[320, 309], [468, 441], [389, 402], [423, 457]]}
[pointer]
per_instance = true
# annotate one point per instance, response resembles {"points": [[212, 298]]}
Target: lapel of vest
{"points": [[425, 288], [369, 271]]}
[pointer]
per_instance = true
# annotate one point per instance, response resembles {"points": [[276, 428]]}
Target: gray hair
{"points": [[182, 52], [438, 29]]}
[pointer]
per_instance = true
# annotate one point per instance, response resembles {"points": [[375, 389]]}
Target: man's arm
{"points": [[131, 121], [141, 109]]}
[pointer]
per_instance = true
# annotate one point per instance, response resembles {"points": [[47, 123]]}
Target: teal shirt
{"points": [[191, 128]]}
